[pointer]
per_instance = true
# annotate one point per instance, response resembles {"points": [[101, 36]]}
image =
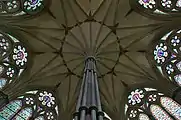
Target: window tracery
{"points": [[167, 56], [146, 104], [37, 104], [13, 57], [159, 8], [21, 7]]}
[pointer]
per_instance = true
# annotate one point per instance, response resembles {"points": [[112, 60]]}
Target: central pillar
{"points": [[89, 105]]}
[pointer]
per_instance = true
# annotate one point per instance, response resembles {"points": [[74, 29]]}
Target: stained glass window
{"points": [[143, 117], [24, 114], [10, 110], [38, 104], [142, 102], [171, 106], [13, 57], [159, 113], [157, 8], [166, 54], [21, 7]]}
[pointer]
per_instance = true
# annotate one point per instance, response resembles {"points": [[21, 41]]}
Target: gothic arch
{"points": [[158, 9], [14, 58], [148, 103], [16, 9], [36, 103], [164, 54]]}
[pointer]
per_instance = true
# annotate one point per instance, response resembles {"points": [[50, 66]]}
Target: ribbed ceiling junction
{"points": [[62, 37]]}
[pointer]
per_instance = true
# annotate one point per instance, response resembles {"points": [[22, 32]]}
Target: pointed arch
{"points": [[14, 58], [41, 104], [157, 9], [164, 55], [17, 8], [148, 103]]}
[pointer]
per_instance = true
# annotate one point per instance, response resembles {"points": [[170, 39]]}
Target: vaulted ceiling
{"points": [[68, 31]]}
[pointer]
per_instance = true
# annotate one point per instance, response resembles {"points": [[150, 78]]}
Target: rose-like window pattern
{"points": [[136, 97], [21, 7], [14, 58], [47, 99], [161, 53], [152, 106], [166, 54], [10, 72], [28, 106], [50, 115], [12, 6], [33, 6], [157, 9], [20, 55], [29, 100], [166, 4], [151, 4], [133, 113]]}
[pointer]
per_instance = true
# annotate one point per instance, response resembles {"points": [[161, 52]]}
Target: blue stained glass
{"points": [[10, 110], [172, 107], [178, 79], [160, 53], [33, 2], [159, 113], [2, 82], [6, 114], [24, 114]]}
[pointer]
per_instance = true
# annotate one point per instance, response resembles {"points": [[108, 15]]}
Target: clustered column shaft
{"points": [[89, 105]]}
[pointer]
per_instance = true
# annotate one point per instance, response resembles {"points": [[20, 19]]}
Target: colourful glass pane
{"points": [[178, 4], [2, 82], [47, 99], [178, 79], [179, 65], [143, 117], [21, 7], [1, 69], [24, 114], [33, 6], [147, 3], [166, 3], [161, 53], [172, 107], [158, 113], [20, 55], [135, 97], [10, 109]]}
